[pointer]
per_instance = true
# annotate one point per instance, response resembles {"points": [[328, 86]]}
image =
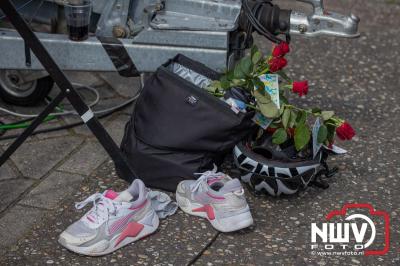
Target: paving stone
{"points": [[52, 124], [6, 172], [87, 78], [52, 190], [6, 119], [10, 190], [81, 130], [16, 223], [87, 159], [116, 127], [102, 105], [127, 87], [128, 110], [9, 133], [35, 159]]}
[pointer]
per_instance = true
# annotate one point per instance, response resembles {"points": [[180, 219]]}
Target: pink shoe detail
{"points": [[132, 230], [207, 209], [119, 224], [90, 219], [111, 194]]}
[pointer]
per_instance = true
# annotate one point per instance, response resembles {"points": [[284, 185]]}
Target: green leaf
{"points": [[225, 83], [211, 88], [230, 75], [293, 118], [256, 57], [274, 125], [262, 97], [254, 49], [286, 118], [269, 110], [301, 118], [214, 87], [302, 136], [316, 111], [322, 134], [238, 73], [281, 110], [331, 132], [327, 115], [238, 82], [279, 137], [265, 104], [246, 65]]}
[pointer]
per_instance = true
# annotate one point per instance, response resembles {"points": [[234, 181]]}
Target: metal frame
{"points": [[67, 91], [148, 50]]}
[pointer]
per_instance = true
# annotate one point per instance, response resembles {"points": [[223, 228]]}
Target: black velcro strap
{"points": [[119, 56]]}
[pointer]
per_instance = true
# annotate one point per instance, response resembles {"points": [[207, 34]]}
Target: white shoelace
{"points": [[205, 177], [102, 207]]}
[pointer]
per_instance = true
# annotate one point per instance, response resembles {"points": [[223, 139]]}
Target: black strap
{"points": [[119, 56]]}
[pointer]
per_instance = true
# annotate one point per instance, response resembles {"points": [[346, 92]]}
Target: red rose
{"points": [[271, 130], [300, 87], [281, 49], [276, 64], [345, 131]]}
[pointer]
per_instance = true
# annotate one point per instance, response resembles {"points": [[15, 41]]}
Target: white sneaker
{"points": [[218, 198], [115, 220]]}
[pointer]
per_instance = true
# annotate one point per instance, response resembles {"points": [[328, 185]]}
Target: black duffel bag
{"points": [[177, 128]]}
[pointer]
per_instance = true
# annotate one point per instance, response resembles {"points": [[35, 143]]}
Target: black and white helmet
{"points": [[278, 169]]}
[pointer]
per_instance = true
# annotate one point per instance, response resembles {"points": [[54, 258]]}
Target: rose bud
{"points": [[276, 64], [281, 49], [300, 87], [345, 131]]}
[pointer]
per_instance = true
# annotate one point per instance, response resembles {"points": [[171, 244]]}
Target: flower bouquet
{"points": [[285, 121]]}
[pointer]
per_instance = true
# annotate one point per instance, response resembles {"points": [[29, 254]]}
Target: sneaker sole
{"points": [[104, 247], [225, 225]]}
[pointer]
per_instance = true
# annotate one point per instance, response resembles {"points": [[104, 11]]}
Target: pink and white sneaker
{"points": [[218, 198], [115, 220]]}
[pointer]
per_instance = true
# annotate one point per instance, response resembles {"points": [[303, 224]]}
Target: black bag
{"points": [[178, 128]]}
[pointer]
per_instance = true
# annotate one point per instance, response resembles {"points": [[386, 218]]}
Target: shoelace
{"points": [[102, 207], [208, 175], [205, 177]]}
